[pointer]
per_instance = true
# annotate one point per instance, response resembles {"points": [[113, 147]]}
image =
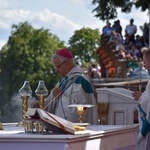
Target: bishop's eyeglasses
{"points": [[57, 67]]}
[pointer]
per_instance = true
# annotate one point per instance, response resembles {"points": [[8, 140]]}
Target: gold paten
{"points": [[79, 127]]}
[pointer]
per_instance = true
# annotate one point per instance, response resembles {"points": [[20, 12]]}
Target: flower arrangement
{"points": [[105, 60]]}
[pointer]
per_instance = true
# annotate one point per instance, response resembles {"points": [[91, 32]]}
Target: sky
{"points": [[61, 17]]}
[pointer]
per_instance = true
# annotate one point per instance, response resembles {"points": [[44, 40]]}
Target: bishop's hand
{"points": [[136, 95], [56, 92]]}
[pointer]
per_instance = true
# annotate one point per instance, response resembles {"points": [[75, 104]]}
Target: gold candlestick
{"points": [[41, 101], [25, 93], [41, 93], [24, 106]]}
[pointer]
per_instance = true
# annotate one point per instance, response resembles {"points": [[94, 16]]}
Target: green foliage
{"points": [[144, 27], [84, 44], [107, 9], [143, 4], [27, 56]]}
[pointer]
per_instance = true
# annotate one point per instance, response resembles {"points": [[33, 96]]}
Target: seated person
{"points": [[141, 68], [122, 53], [127, 43], [93, 72], [116, 39], [140, 72], [135, 52], [132, 64], [139, 42], [128, 56]]}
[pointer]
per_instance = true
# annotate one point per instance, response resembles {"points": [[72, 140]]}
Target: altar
{"points": [[95, 137]]}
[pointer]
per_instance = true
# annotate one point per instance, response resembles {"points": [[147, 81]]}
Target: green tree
{"points": [[27, 56], [84, 44], [107, 9]]}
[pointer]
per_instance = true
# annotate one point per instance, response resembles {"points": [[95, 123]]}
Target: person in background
{"points": [[117, 27], [146, 35], [72, 88], [130, 30], [128, 56], [143, 50], [137, 94], [141, 69], [139, 42], [143, 99], [98, 68], [139, 72], [135, 52], [106, 31], [126, 43], [132, 64], [116, 39], [122, 53], [93, 72]]}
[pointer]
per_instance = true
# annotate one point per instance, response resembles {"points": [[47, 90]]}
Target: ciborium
{"points": [[81, 110], [41, 93], [25, 92]]}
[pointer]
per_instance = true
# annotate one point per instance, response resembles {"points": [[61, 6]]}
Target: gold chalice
{"points": [[81, 110]]}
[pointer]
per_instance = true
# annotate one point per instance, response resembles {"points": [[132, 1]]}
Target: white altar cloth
{"points": [[96, 137]]}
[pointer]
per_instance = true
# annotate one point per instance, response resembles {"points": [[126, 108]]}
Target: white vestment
{"points": [[76, 89], [144, 120]]}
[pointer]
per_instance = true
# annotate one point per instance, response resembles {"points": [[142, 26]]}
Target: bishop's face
{"points": [[60, 67]]}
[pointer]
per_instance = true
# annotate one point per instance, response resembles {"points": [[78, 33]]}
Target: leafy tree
{"points": [[27, 56], [83, 45], [107, 9]]}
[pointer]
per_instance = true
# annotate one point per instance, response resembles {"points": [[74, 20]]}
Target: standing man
{"points": [[130, 31], [144, 110], [72, 88]]}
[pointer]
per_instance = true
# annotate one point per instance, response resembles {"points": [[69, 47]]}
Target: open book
{"points": [[53, 122]]}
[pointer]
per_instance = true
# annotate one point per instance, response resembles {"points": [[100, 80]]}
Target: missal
{"points": [[52, 122]]}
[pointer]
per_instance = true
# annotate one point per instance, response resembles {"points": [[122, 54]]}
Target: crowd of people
{"points": [[134, 48], [127, 42]]}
